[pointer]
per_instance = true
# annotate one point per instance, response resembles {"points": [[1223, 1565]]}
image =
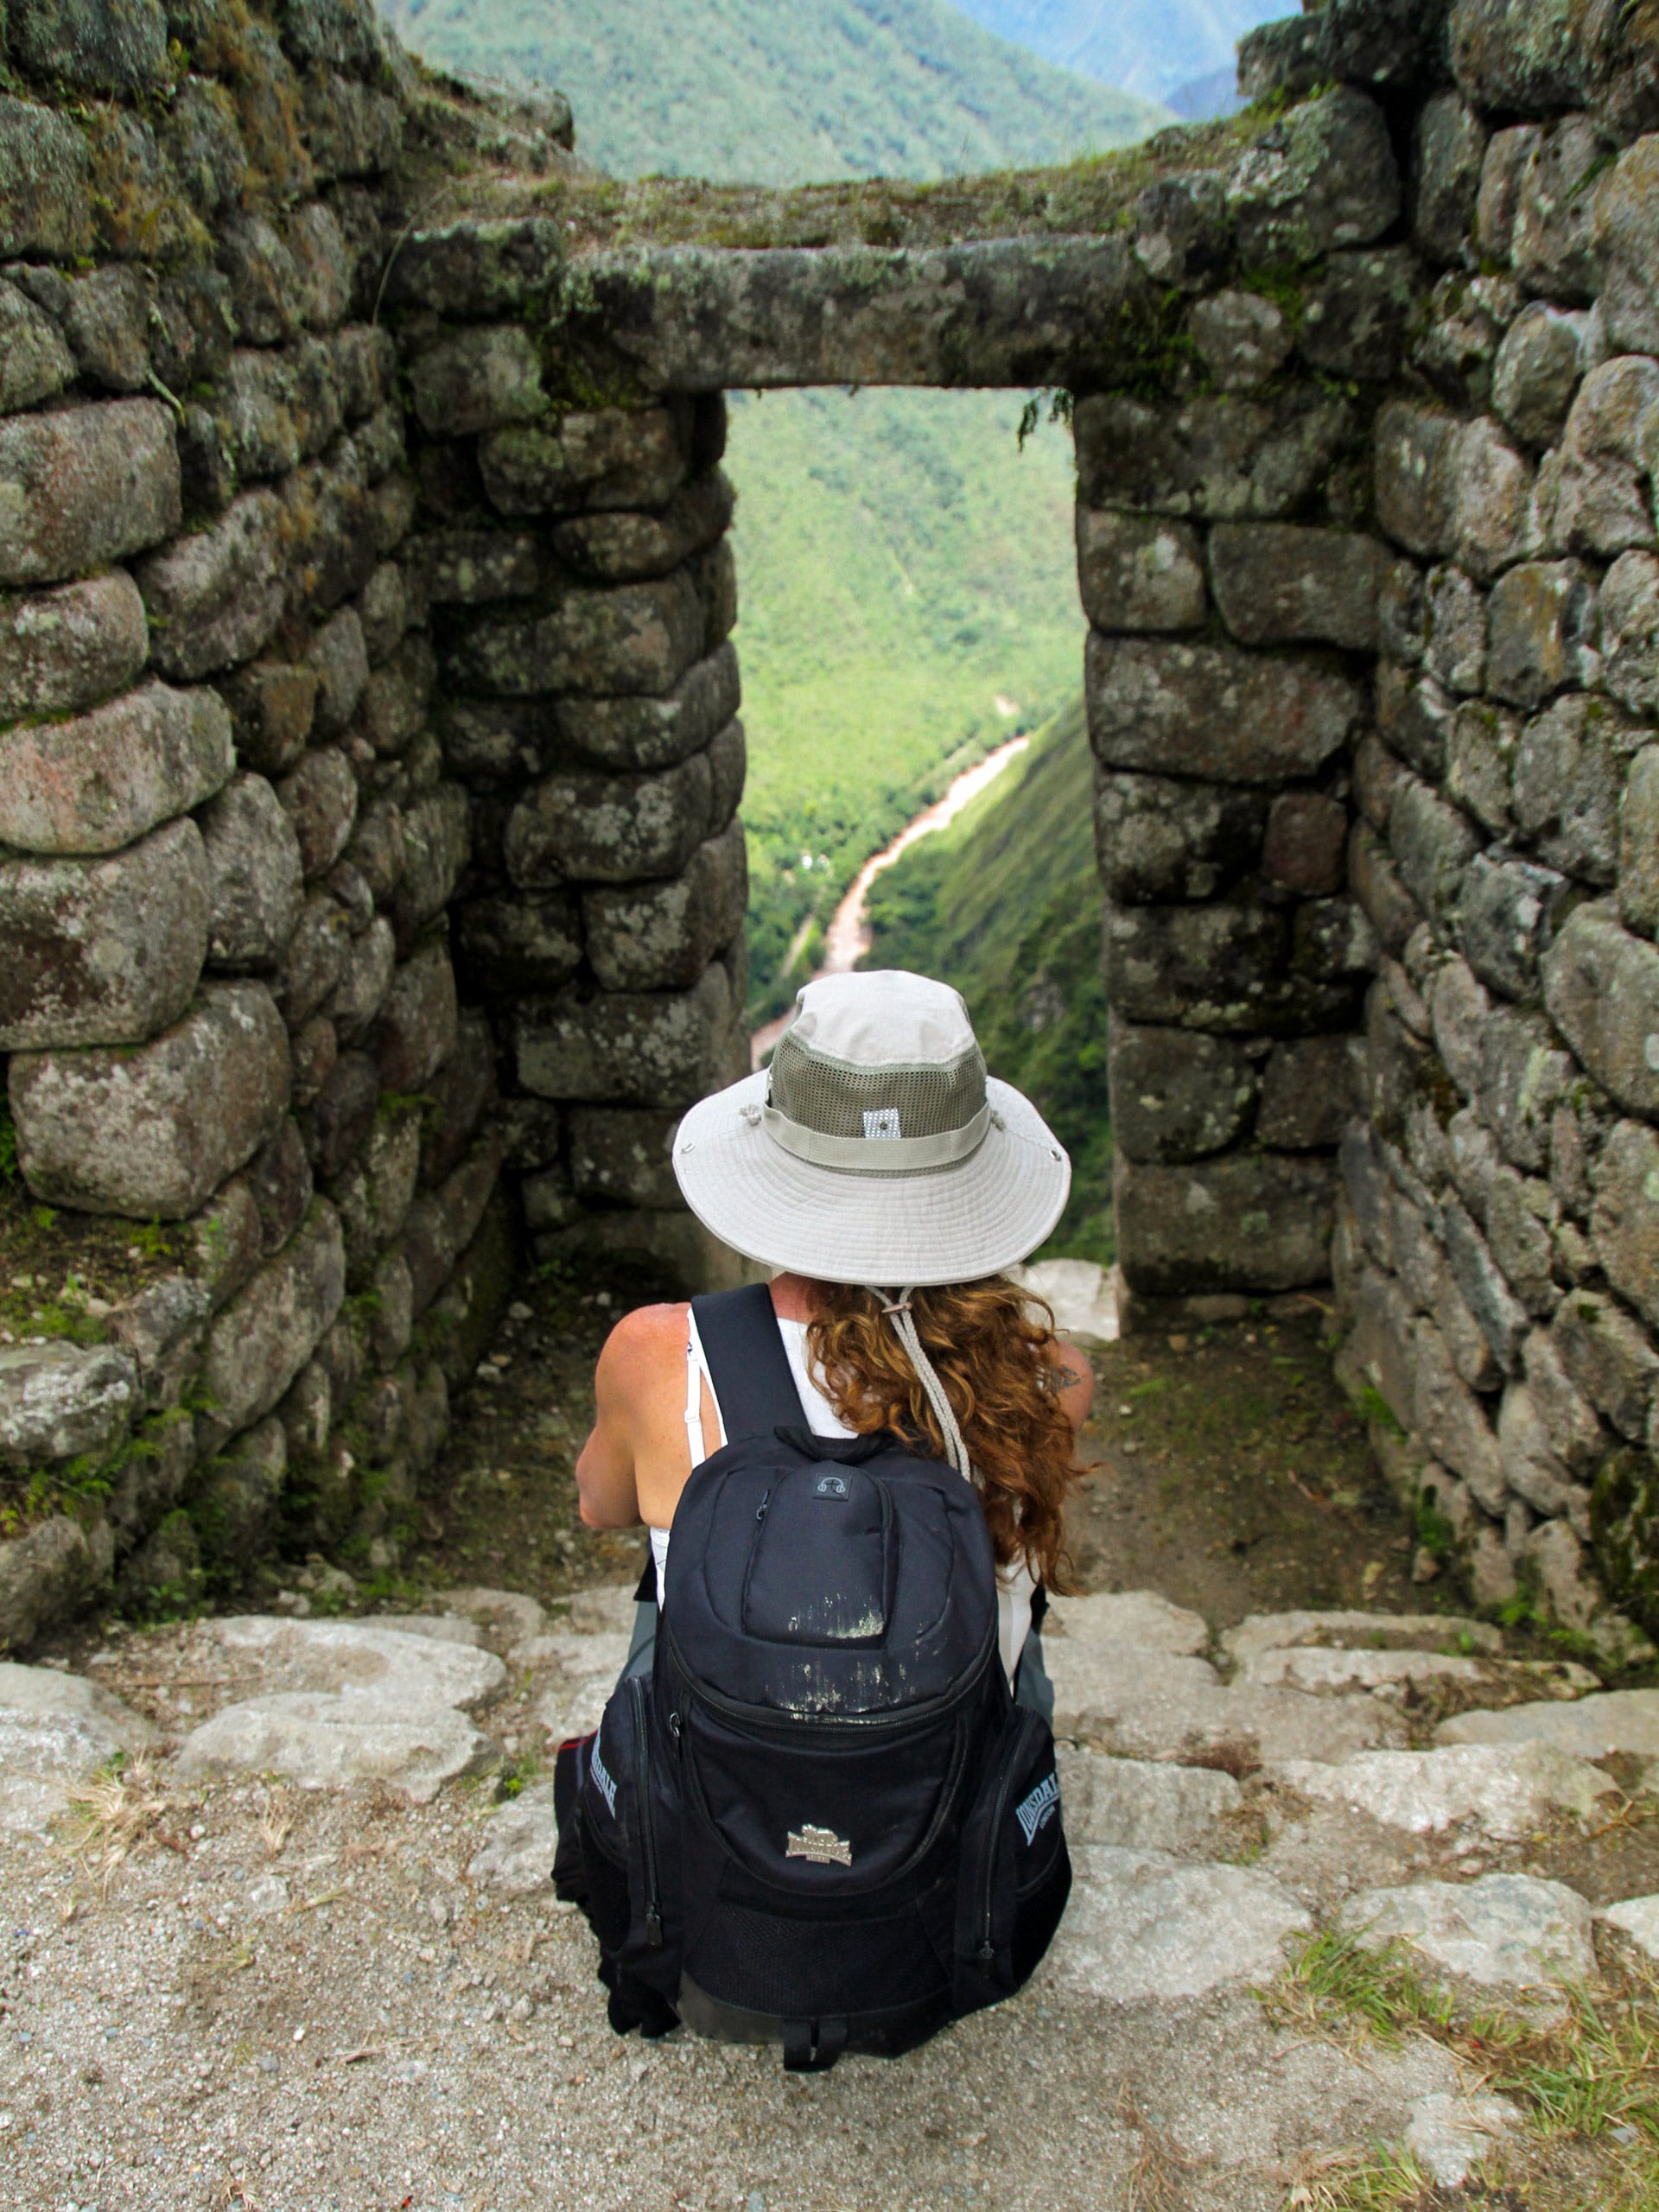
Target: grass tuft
{"points": [[112, 1815]]}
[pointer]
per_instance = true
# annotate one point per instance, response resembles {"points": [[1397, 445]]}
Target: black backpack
{"points": [[821, 1821]]}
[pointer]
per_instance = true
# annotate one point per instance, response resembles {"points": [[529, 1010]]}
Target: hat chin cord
{"points": [[896, 1310]]}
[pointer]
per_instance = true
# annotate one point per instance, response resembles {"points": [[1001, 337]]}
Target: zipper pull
{"points": [[987, 1957], [673, 1726], [653, 1927], [760, 1509]]}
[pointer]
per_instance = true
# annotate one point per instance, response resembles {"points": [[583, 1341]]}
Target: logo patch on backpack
{"points": [[1035, 1812], [830, 1486], [607, 1785], [822, 1846]]}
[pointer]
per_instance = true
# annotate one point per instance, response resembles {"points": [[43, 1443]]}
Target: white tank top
{"points": [[1014, 1584]]}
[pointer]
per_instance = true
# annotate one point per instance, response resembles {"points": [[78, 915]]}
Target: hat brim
{"points": [[948, 1224]]}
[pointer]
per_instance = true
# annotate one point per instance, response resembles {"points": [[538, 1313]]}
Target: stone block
{"points": [[649, 732], [417, 1028], [1415, 457], [1627, 247], [150, 1132], [1459, 1009], [394, 697], [1323, 178], [437, 844], [214, 598], [374, 1194], [272, 704], [469, 567], [1243, 339], [97, 782], [481, 377], [1225, 969], [600, 828], [1625, 1219], [1539, 621], [1552, 243], [1601, 987], [1537, 370], [1211, 459], [1485, 1288], [1279, 584], [660, 1049], [518, 943], [1492, 518], [35, 362], [364, 979], [1454, 646], [622, 1153], [1522, 1076], [609, 459], [1306, 840], [1356, 316], [1607, 1357], [84, 485], [60, 1402], [1515, 54], [1569, 772], [254, 864], [1592, 497], [617, 547], [45, 198], [1520, 1215], [1505, 914], [442, 1221], [1180, 233], [63, 650], [102, 952], [1449, 145], [264, 278], [1432, 843], [1448, 1417], [629, 640], [461, 1092], [320, 799], [1479, 763], [1176, 1094], [1375, 882], [1629, 631], [278, 1180], [1139, 572], [1570, 1428], [1414, 717], [311, 967], [261, 1340], [1251, 1221], [1638, 845], [661, 936], [1214, 711], [1311, 1088]]}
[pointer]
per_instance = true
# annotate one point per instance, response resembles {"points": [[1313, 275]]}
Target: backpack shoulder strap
{"points": [[752, 1375]]}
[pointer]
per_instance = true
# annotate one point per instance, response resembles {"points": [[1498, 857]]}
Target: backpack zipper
{"points": [[647, 1825], [986, 1952], [766, 1717]]}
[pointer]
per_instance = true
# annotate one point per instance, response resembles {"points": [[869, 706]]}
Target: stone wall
{"points": [[229, 1019], [373, 757]]}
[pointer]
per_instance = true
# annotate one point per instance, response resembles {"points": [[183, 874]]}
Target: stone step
{"points": [[55, 1729], [1358, 1632], [1505, 1791]]}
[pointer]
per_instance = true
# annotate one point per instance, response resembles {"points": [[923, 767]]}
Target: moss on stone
{"points": [[1624, 1531]]}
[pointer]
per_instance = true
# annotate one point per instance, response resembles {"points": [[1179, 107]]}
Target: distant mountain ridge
{"points": [[1155, 47], [783, 91]]}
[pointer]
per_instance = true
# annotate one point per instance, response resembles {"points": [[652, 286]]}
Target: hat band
{"points": [[877, 1155]]}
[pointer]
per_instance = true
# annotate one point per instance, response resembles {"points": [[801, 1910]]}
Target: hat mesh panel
{"points": [[833, 1096]]}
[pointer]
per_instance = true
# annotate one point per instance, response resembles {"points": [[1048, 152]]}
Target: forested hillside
{"points": [[1006, 903], [781, 91], [903, 563], [1150, 46]]}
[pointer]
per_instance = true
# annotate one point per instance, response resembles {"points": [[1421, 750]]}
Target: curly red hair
{"points": [[995, 1351]]}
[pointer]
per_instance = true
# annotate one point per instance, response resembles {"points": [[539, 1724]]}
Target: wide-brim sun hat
{"points": [[876, 1148]]}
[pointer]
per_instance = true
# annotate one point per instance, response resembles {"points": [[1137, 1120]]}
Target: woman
{"points": [[890, 1183]]}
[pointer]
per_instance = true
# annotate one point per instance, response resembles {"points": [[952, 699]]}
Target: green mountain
{"points": [[909, 600], [1150, 47], [781, 91], [1005, 903]]}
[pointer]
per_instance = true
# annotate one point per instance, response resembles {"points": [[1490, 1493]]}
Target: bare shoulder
{"points": [[641, 1346]]}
